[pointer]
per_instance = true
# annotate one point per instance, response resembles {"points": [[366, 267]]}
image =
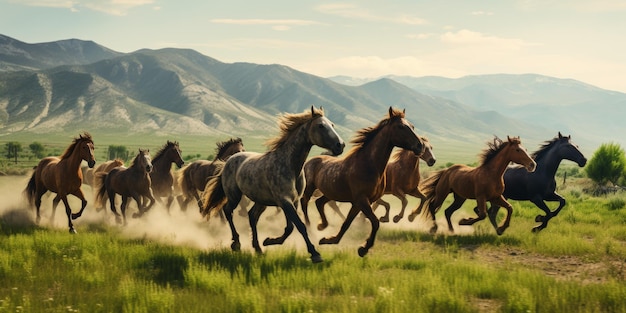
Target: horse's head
{"points": [[174, 150], [85, 146], [569, 151], [518, 154], [402, 133], [428, 156], [143, 160], [227, 148], [322, 132]]}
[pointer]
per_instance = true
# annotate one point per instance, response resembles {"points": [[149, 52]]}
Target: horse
{"points": [[193, 178], [161, 174], [483, 183], [62, 175], [359, 177], [89, 173], [133, 181], [273, 178], [402, 178], [540, 185]]}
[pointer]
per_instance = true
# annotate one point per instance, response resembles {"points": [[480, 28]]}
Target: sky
{"points": [[577, 39]]}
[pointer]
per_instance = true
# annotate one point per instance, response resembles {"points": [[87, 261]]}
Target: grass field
{"points": [[180, 263]]}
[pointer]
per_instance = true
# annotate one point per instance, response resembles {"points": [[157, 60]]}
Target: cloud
{"points": [[353, 11], [468, 37], [112, 7], [276, 24]]}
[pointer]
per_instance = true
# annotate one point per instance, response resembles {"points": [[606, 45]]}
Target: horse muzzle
{"points": [[91, 163], [531, 167], [337, 149], [431, 161], [582, 162], [148, 168]]}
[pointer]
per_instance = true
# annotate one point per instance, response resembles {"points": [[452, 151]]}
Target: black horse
{"points": [[540, 185]]}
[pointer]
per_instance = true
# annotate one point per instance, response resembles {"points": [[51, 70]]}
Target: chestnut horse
{"points": [[359, 177], [89, 173], [540, 186], [62, 176], [274, 178], [483, 183], [161, 174], [193, 178], [402, 178], [133, 181]]}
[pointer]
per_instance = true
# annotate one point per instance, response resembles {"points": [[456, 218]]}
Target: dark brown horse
{"points": [[273, 178], [133, 182], [483, 183], [402, 178], [193, 178], [359, 177], [62, 176], [161, 174]]}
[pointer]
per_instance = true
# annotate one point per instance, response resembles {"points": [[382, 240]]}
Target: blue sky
{"points": [[577, 39]]}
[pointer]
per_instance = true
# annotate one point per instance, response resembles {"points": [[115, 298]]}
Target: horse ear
{"points": [[560, 136], [404, 111], [312, 110], [390, 112], [508, 138]]}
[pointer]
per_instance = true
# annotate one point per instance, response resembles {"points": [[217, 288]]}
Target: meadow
{"points": [[181, 263]]}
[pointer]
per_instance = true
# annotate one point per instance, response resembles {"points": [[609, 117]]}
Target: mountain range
{"points": [[73, 84]]}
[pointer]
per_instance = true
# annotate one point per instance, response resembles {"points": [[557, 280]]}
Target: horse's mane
{"points": [[288, 122], [493, 148], [365, 135], [84, 137], [164, 148], [224, 145], [545, 147]]}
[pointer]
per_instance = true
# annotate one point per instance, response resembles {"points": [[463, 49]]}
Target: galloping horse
{"points": [[540, 186], [161, 174], [403, 178], [274, 178], [359, 177], [63, 177], [483, 183], [133, 181], [89, 173], [193, 178]]}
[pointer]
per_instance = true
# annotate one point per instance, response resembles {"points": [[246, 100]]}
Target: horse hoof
{"points": [[327, 241], [76, 215], [539, 218], [72, 230], [235, 246], [500, 231], [411, 217], [384, 219], [397, 218], [317, 258], [537, 229], [433, 230], [322, 226], [362, 251], [465, 221]]}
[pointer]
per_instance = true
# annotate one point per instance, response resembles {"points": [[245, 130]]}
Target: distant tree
{"points": [[13, 150], [37, 149], [118, 152], [607, 164]]}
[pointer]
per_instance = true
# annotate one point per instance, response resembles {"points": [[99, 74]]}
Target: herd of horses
{"points": [[285, 177]]}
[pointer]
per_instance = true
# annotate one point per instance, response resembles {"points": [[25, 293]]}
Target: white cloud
{"points": [[352, 11], [253, 21], [420, 36], [468, 37]]}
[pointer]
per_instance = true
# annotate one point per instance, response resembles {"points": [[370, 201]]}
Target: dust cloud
{"points": [[190, 229]]}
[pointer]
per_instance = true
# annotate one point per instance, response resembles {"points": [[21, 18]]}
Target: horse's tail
{"points": [[214, 196], [30, 192], [429, 187], [100, 189]]}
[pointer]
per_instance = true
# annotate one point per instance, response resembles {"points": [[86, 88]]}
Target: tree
{"points": [[13, 149], [118, 152], [37, 149], [607, 164]]}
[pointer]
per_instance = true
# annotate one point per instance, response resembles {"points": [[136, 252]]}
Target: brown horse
{"points": [[133, 181], [63, 177], [89, 173], [161, 174], [193, 178], [403, 178], [359, 177], [483, 183]]}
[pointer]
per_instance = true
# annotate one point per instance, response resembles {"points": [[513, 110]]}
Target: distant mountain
{"points": [[16, 55], [180, 91]]}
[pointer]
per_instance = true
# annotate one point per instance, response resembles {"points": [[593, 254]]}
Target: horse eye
{"points": [[320, 125]]}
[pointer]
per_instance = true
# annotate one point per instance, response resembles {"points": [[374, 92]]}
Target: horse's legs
{"points": [[481, 203], [319, 203], [79, 194], [417, 194], [501, 202], [290, 211], [333, 205], [279, 240], [55, 203], [118, 219], [384, 218], [68, 211], [432, 209], [243, 206], [123, 207], [253, 216], [369, 213], [344, 227], [539, 202], [405, 202], [458, 202], [304, 203]]}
